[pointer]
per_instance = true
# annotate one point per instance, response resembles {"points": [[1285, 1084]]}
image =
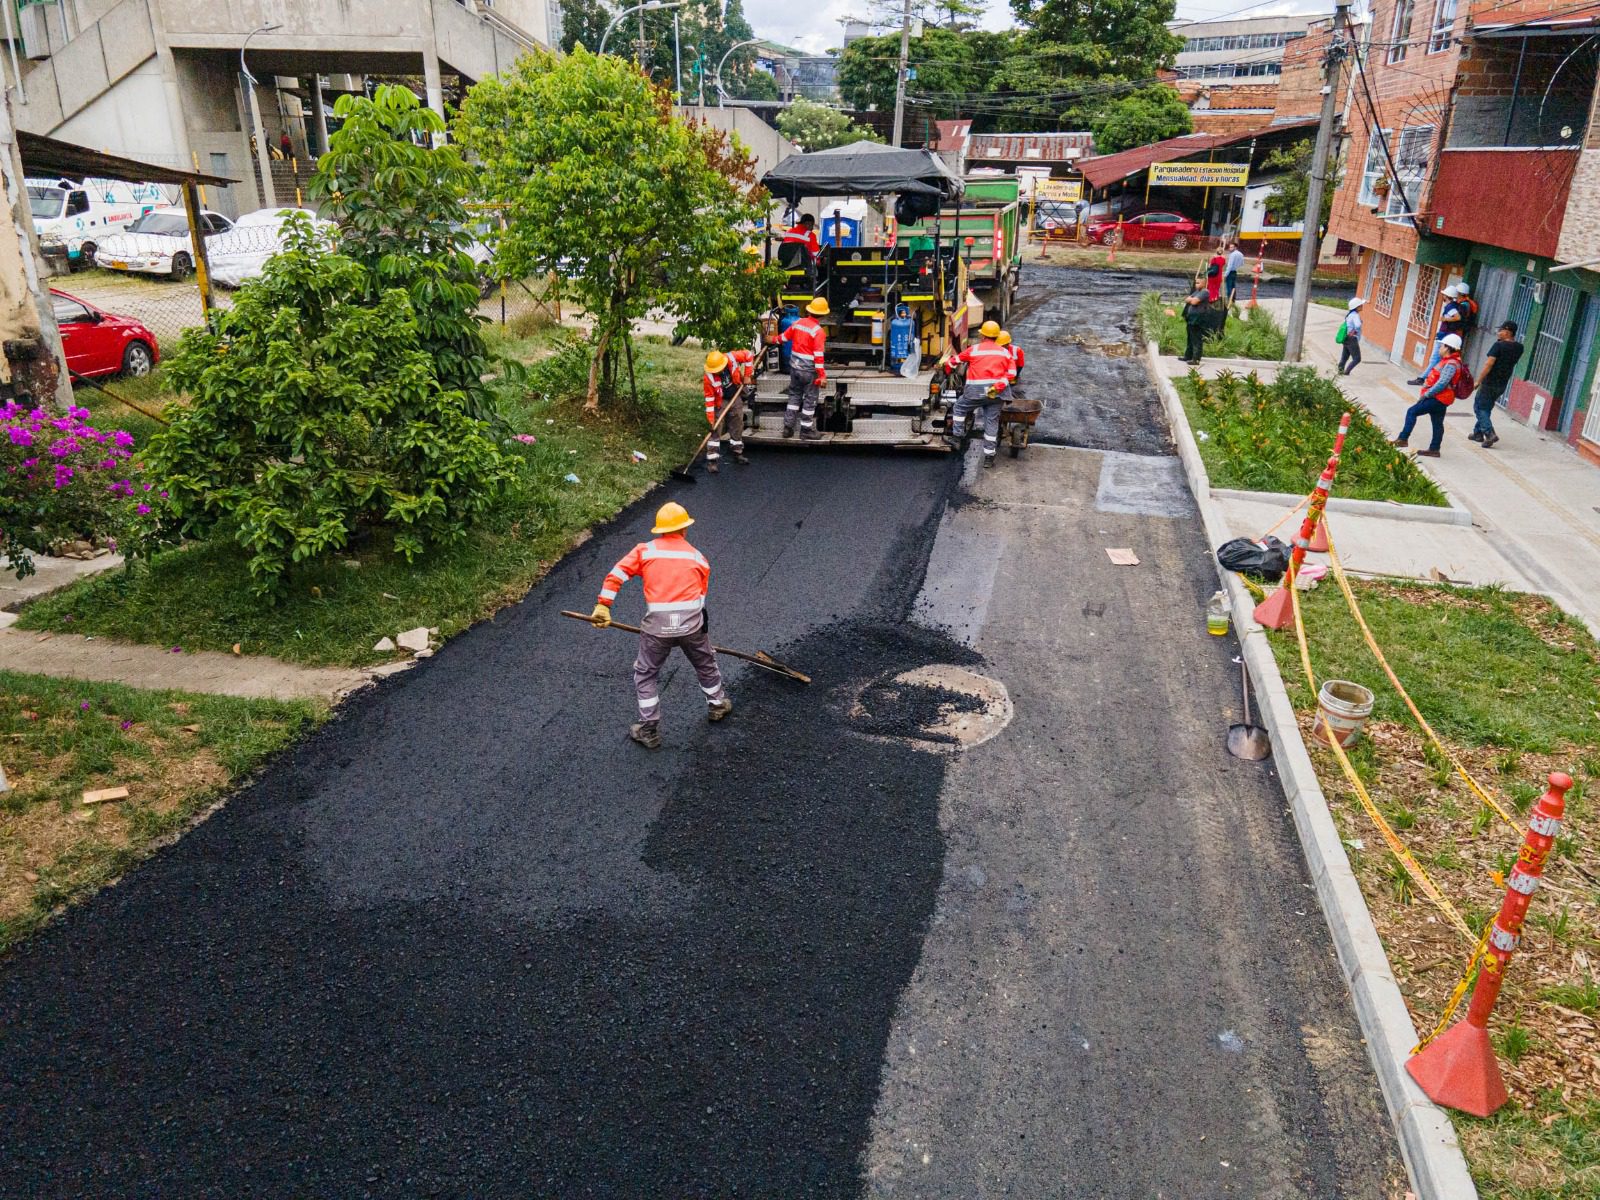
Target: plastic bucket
{"points": [[1344, 708]]}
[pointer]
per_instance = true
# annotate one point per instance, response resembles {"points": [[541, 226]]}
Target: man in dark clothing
{"points": [[1197, 322], [1496, 374]]}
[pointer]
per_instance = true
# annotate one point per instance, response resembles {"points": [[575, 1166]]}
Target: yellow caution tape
{"points": [[1396, 846], [1287, 514], [1372, 644], [1460, 990]]}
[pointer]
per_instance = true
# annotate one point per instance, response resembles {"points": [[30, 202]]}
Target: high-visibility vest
{"points": [[800, 235], [807, 341], [1018, 359], [1448, 396], [987, 362], [714, 387], [674, 573], [744, 365]]}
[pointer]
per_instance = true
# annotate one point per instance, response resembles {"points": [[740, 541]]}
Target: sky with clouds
{"points": [[815, 26]]}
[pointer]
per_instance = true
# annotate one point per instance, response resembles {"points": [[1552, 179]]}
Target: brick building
{"points": [[1228, 71], [1466, 133]]}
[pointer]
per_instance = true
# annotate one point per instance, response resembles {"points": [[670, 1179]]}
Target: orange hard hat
{"points": [[671, 517]]}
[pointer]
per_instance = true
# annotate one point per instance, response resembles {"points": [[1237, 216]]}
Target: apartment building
{"points": [[1467, 127]]}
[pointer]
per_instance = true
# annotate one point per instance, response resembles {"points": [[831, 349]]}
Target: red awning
{"points": [[1108, 168]]}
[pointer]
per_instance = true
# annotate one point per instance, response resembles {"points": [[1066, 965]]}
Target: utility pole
{"points": [[1338, 48], [900, 76]]}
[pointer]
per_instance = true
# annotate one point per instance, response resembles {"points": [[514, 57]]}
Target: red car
{"points": [[102, 343], [1149, 229]]}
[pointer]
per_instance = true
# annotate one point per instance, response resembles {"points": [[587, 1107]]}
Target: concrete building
{"points": [[1237, 51], [160, 80], [1472, 157]]}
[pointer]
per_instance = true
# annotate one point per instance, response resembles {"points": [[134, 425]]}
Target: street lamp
{"points": [[722, 95], [648, 6], [269, 194]]}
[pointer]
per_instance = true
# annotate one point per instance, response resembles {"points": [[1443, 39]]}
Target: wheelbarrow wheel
{"points": [[1016, 450]]}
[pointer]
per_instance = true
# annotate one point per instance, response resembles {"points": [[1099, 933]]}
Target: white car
{"points": [[158, 243], [243, 251]]}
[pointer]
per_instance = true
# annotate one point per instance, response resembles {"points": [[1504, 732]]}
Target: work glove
{"points": [[601, 616]]}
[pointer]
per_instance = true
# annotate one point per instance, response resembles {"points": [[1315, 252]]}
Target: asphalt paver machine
{"points": [[896, 306]]}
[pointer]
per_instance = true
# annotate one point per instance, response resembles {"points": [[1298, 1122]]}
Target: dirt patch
{"points": [[1117, 349]]}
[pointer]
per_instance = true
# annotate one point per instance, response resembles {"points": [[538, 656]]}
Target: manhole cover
{"points": [[940, 708]]}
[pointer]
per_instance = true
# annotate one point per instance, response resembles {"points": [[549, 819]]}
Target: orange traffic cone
{"points": [[1458, 1069], [1319, 537], [1277, 610]]}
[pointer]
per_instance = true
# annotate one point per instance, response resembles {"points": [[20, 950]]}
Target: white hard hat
{"points": [[1355, 304], [1452, 291], [1452, 340], [1463, 290]]}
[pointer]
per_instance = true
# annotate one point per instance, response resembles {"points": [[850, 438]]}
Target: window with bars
{"points": [[1376, 168], [1444, 25], [1400, 30], [1411, 160], [1422, 303], [1522, 304], [1385, 278], [1560, 302]]}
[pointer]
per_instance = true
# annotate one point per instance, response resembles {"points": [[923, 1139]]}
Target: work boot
{"points": [[810, 435], [988, 460], [1489, 439], [1427, 454], [1474, 436], [1417, 382], [788, 430], [1401, 442], [647, 734], [711, 468], [741, 459], [718, 709]]}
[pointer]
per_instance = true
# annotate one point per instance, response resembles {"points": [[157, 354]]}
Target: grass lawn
{"points": [[339, 607], [60, 737], [1276, 437], [1248, 332], [1185, 261], [1512, 685]]}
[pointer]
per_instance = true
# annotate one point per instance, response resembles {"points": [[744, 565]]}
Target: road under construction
{"points": [[986, 910]]}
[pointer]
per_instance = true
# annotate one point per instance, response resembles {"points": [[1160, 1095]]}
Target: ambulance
{"points": [[72, 215]]}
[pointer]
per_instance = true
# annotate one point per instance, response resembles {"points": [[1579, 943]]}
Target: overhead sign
{"points": [[1068, 190], [1199, 174]]}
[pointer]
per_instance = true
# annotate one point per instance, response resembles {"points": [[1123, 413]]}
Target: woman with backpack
{"points": [[1448, 382], [1349, 336]]}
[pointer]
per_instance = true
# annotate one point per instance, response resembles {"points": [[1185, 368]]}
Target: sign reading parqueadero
{"points": [[1190, 174]]}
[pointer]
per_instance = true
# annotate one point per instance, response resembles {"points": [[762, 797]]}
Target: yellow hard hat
{"points": [[715, 361], [818, 307], [672, 517], [989, 329], [1003, 338]]}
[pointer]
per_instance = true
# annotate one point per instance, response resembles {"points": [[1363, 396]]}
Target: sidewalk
{"points": [[1535, 501]]}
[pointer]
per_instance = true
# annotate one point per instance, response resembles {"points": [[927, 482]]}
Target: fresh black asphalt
{"points": [[469, 941]]}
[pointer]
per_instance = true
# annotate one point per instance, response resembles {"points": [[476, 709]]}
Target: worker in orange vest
{"points": [[724, 383], [675, 577], [989, 366], [804, 235], [1018, 361], [807, 372]]}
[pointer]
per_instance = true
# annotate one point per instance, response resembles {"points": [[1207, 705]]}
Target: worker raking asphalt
{"points": [[467, 940]]}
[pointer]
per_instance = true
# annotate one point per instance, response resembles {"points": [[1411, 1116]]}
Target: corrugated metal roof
{"points": [[1108, 168], [1038, 147]]}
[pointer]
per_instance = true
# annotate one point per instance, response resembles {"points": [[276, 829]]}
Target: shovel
{"points": [[682, 473], [760, 658], [1248, 741]]}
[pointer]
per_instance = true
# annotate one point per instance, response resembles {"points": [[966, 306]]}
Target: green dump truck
{"points": [[985, 230]]}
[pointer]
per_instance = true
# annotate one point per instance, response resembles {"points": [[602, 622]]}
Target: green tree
{"points": [[1287, 199], [1127, 39], [813, 126], [313, 410], [583, 23], [1147, 115], [943, 59], [636, 210], [401, 205]]}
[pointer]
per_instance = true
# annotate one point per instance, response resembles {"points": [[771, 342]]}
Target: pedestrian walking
{"points": [[807, 371], [989, 366], [286, 144], [1215, 269], [1230, 278], [675, 577], [724, 383], [1450, 318], [1504, 353], [1349, 337], [1196, 321], [1438, 394]]}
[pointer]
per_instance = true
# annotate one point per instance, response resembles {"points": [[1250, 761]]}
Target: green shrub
{"points": [[1276, 437], [312, 413]]}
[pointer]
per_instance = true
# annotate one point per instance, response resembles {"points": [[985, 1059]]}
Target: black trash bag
{"points": [[1265, 560]]}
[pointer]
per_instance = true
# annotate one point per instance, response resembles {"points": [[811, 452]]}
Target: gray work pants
{"points": [[976, 395], [653, 654], [732, 428], [802, 395]]}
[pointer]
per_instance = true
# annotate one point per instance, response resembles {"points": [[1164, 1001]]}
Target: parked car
{"points": [[158, 243], [1149, 229], [72, 216], [242, 252], [102, 343]]}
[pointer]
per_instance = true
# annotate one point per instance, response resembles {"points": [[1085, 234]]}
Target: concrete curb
{"points": [[1389, 510], [1428, 1144]]}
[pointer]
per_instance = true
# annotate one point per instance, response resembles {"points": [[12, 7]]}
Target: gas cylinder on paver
{"points": [[791, 314], [901, 330]]}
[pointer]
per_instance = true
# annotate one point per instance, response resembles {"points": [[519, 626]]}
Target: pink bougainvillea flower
{"points": [[127, 725], [142, 509]]}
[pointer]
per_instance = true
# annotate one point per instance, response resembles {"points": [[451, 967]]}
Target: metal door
{"points": [[1572, 378], [1493, 294]]}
